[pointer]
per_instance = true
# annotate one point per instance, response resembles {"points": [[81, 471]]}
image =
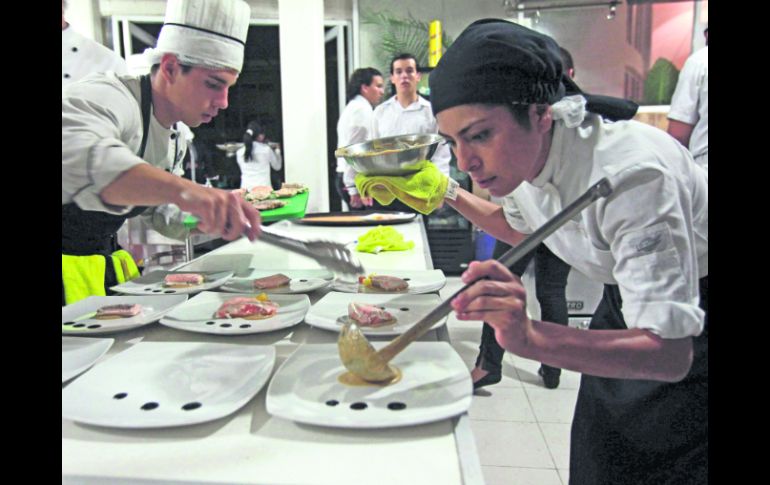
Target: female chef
{"points": [[525, 132], [255, 158]]}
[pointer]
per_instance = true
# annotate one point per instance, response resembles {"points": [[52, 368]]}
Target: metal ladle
{"points": [[360, 358]]}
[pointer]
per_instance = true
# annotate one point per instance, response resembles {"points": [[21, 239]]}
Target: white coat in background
{"points": [[256, 171]]}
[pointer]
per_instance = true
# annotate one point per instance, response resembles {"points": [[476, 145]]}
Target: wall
{"points": [[672, 32]]}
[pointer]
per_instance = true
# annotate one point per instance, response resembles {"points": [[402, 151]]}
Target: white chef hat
{"points": [[207, 33]]}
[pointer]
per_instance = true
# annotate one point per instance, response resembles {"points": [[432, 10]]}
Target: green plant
{"points": [[660, 83]]}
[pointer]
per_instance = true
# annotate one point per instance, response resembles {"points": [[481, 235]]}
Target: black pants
{"points": [[339, 184], [639, 431], [550, 288]]}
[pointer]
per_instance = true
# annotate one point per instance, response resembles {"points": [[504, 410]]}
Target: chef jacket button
{"points": [[74, 49], [66, 76], [173, 136]]}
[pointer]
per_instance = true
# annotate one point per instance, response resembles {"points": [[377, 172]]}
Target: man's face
{"points": [[496, 151], [405, 77], [374, 91], [199, 95]]}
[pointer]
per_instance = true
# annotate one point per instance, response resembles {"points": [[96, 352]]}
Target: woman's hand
{"points": [[498, 298]]}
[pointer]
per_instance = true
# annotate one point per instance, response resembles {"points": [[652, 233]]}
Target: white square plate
{"points": [[152, 283], [427, 281], [77, 318], [435, 385], [302, 281], [78, 354], [331, 311], [197, 314], [160, 384]]}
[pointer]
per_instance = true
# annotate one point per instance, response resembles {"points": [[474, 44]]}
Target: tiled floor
{"points": [[521, 428]]}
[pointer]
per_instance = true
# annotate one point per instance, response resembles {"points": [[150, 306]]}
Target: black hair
{"points": [[520, 112], [404, 56], [248, 138], [360, 77], [185, 68]]}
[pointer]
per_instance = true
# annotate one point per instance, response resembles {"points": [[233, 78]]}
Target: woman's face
{"points": [[493, 148]]}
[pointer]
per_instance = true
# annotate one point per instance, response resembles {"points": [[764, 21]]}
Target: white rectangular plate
{"points": [[408, 309], [160, 384], [435, 385], [197, 314], [78, 354], [302, 281], [77, 318], [152, 283], [426, 281]]}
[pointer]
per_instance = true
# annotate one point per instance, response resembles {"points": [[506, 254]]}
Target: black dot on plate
{"points": [[396, 406], [303, 281], [79, 325], [170, 291], [332, 402], [407, 279], [156, 291], [66, 76], [74, 49], [209, 323], [120, 395], [149, 406], [191, 405], [246, 325], [225, 325], [358, 406], [96, 325], [68, 323], [405, 309], [148, 289]]}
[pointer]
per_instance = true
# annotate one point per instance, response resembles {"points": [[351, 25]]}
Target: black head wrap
{"points": [[499, 62]]}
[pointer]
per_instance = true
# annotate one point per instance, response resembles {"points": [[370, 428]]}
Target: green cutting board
{"points": [[295, 209]]}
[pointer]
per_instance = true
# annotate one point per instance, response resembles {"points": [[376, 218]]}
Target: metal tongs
{"points": [[361, 359], [329, 254]]}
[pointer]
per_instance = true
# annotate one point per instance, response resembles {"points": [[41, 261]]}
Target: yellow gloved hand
{"points": [[383, 238], [423, 191]]}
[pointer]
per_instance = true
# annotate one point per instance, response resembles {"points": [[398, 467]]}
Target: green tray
{"points": [[295, 209]]}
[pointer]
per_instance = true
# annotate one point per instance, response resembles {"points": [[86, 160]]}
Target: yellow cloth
{"points": [[383, 238], [83, 276], [423, 191]]}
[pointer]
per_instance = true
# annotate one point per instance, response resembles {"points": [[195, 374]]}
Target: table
{"points": [[250, 446]]}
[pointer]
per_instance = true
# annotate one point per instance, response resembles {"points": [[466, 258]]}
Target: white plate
{"points": [[78, 354], [302, 281], [197, 314], [408, 309], [159, 384], [426, 281], [152, 283], [435, 385], [76, 319]]}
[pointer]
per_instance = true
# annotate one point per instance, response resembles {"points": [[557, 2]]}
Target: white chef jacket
{"points": [[81, 56], [690, 103], [256, 171], [101, 134], [650, 237], [391, 119], [354, 126]]}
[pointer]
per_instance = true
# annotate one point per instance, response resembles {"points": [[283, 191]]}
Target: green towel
{"points": [[423, 191], [383, 238], [83, 276]]}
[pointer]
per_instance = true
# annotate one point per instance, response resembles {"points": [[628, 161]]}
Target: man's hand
{"points": [[500, 300], [358, 202], [221, 212]]}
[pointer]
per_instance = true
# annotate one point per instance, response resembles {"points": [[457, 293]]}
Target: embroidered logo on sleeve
{"points": [[653, 239]]}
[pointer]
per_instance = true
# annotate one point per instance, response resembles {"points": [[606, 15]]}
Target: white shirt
{"points": [[354, 126], [391, 119], [690, 103], [256, 172], [101, 134], [650, 237], [81, 56]]}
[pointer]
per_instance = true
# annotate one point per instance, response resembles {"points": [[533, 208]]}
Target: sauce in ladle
{"points": [[350, 379]]}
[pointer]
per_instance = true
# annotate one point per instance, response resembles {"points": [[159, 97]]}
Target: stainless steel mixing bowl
{"points": [[393, 155]]}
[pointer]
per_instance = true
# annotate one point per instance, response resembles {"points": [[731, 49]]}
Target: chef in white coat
{"points": [[256, 158], [524, 131]]}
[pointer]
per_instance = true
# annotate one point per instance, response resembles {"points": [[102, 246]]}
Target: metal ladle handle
{"points": [[602, 188]]}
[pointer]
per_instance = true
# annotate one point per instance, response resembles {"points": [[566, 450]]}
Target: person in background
{"points": [[526, 132], [81, 55], [116, 138], [688, 117], [364, 91], [255, 158], [551, 275]]}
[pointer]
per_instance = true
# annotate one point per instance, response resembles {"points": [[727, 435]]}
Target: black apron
{"points": [[86, 233], [640, 431]]}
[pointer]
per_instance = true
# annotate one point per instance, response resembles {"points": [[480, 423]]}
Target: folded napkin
{"points": [[383, 238], [423, 191]]}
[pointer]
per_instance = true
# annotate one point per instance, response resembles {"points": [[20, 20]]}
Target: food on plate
{"points": [[260, 192], [183, 280], [294, 185], [272, 281], [369, 315], [285, 192], [264, 205], [121, 310], [383, 283], [248, 307]]}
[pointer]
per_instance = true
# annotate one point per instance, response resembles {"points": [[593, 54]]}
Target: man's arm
{"points": [[681, 131]]}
